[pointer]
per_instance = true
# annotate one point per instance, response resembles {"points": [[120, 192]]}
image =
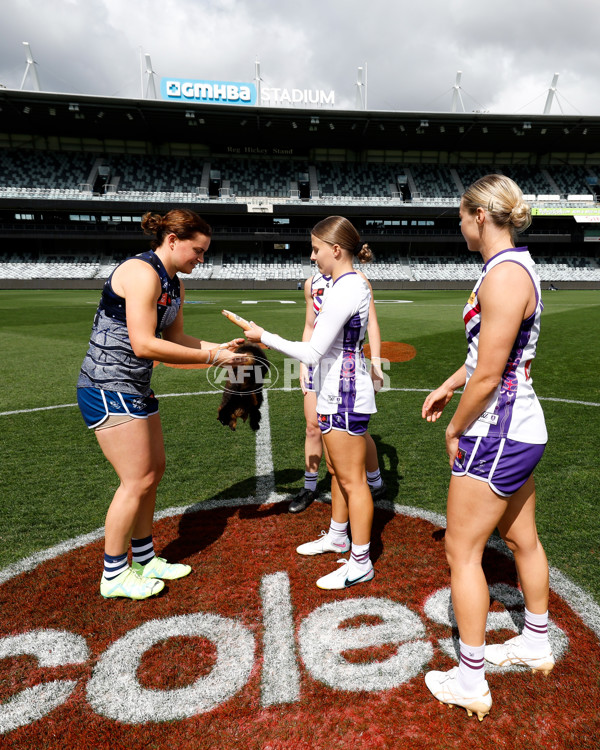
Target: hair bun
{"points": [[520, 216]]}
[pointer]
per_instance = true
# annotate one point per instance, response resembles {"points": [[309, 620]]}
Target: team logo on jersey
{"points": [[165, 300]]}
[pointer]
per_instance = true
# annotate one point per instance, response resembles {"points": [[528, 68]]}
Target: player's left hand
{"points": [[451, 444], [376, 377], [254, 333]]}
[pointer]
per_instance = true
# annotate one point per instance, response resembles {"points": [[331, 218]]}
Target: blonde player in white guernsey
{"points": [[494, 441], [345, 398]]}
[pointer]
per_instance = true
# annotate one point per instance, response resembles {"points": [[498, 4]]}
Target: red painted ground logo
{"points": [[247, 652]]}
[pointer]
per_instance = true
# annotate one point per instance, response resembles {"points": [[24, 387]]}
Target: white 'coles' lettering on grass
{"points": [[114, 690], [438, 608], [52, 648], [280, 674], [323, 641]]}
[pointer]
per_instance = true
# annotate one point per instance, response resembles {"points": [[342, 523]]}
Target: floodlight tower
{"points": [[456, 95], [257, 80], [551, 94], [361, 88], [31, 68], [149, 79]]}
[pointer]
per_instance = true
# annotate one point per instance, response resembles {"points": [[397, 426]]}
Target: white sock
{"points": [[360, 561], [338, 532], [310, 480], [471, 670], [374, 479], [535, 632]]}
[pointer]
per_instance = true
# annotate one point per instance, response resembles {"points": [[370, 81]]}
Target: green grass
{"points": [[56, 484]]}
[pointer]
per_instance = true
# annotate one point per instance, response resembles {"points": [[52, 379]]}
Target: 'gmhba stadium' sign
{"points": [[231, 92]]}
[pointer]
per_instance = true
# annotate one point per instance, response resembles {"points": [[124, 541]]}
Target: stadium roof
{"points": [[77, 116]]}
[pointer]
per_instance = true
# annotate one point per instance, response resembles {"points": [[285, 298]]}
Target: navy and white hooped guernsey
{"points": [[110, 363], [513, 411]]}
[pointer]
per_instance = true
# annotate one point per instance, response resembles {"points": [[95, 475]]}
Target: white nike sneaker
{"points": [[516, 652], [339, 578], [444, 686], [323, 544]]}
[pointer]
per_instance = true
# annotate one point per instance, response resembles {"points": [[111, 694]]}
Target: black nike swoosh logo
{"points": [[348, 582]]}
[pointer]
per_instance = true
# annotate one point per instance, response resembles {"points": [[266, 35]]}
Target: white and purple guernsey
{"points": [[319, 286], [335, 349], [513, 411]]}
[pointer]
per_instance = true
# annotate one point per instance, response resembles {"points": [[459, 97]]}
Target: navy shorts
{"points": [[353, 424], [504, 464], [97, 405]]}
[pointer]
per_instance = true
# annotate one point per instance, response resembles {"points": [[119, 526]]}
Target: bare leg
{"points": [[473, 513], [350, 495], [517, 528], [372, 460], [136, 452], [313, 443]]}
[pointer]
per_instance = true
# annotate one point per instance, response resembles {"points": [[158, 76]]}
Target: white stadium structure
{"points": [[78, 172]]}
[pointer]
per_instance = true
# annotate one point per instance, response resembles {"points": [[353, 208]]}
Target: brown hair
{"points": [[502, 198], [179, 221], [337, 230]]}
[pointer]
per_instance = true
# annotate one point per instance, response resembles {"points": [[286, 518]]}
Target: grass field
{"points": [[55, 484]]}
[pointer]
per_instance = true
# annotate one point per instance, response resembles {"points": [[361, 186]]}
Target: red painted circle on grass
{"points": [[243, 559]]}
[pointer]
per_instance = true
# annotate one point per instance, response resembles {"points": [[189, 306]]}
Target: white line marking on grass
{"points": [[579, 601], [285, 390], [280, 675], [265, 476]]}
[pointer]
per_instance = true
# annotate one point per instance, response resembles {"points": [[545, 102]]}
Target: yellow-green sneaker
{"points": [[158, 567], [129, 584]]}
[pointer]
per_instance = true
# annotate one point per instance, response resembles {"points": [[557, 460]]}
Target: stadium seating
{"points": [[274, 267]]}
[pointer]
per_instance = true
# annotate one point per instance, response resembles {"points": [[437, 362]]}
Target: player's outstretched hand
{"points": [[435, 403], [224, 354], [254, 333]]}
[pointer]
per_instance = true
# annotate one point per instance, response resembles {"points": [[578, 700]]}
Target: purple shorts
{"points": [[504, 464], [353, 424]]}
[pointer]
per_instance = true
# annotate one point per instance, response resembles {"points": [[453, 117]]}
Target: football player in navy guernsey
{"points": [[139, 321]]}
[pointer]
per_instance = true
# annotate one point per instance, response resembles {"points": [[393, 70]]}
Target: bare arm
{"points": [[374, 335], [138, 283], [309, 324], [501, 317]]}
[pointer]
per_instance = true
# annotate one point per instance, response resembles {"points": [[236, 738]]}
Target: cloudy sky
{"points": [[507, 51]]}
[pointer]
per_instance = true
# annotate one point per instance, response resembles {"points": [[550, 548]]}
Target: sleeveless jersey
{"points": [[110, 362], [319, 286], [513, 411]]}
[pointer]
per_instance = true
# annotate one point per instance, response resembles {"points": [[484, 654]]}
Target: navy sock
{"points": [[142, 550], [114, 565]]}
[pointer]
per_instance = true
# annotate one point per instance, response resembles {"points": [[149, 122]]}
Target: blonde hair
{"points": [[502, 198], [337, 230]]}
